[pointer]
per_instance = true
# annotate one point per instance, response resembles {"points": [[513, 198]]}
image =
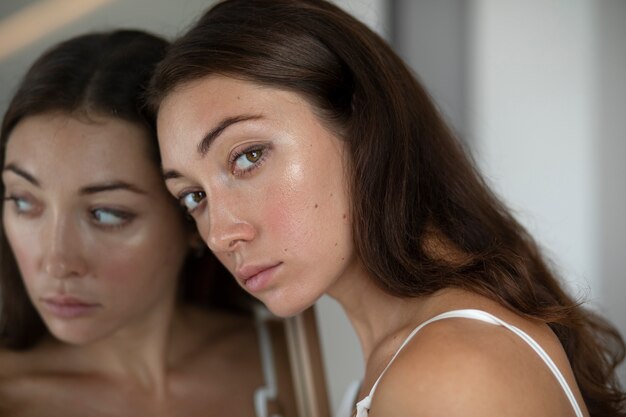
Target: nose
{"points": [[63, 255], [225, 229]]}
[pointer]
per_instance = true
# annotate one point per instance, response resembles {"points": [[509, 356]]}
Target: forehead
{"points": [[57, 145], [215, 89], [193, 108], [208, 100]]}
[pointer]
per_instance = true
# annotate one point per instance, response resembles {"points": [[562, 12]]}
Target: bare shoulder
{"points": [[48, 356], [6, 362], [16, 368], [212, 334], [217, 350], [460, 367], [215, 326], [9, 370], [14, 364]]}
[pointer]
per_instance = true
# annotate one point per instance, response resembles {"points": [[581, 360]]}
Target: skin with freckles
{"points": [[265, 179], [282, 225], [100, 245]]}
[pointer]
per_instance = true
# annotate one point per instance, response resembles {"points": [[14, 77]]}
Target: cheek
{"points": [[132, 280], [309, 214], [25, 247], [147, 262], [122, 268]]}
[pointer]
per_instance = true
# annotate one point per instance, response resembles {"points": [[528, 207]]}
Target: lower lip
{"points": [[69, 310], [261, 280]]}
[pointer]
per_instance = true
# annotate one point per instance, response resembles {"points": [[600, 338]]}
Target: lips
{"points": [[68, 307], [256, 277]]}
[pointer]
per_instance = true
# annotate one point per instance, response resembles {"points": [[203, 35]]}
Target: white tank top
{"points": [[363, 406]]}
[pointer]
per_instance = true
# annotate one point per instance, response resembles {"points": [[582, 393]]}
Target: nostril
{"points": [[230, 236], [63, 266], [56, 268]]}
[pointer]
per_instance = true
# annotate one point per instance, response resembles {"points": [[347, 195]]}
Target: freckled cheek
{"points": [[283, 218], [305, 219]]}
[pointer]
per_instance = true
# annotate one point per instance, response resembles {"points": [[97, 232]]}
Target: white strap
{"points": [[364, 405]]}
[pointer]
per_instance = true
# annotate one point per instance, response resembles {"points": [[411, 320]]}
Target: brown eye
{"points": [[253, 156], [191, 200], [248, 159]]}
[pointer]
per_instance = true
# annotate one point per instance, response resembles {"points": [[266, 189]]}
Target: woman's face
{"points": [[98, 240], [264, 180]]}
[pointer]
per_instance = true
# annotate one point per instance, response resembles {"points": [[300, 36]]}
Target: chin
{"points": [[74, 334], [283, 312], [73, 338], [284, 309]]}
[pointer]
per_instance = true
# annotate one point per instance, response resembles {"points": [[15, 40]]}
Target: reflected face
{"points": [[264, 180], [97, 238]]}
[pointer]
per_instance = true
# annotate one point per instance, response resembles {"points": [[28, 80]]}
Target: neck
{"points": [[137, 355], [376, 316]]}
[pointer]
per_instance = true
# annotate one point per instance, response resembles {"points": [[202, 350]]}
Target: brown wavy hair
{"points": [[410, 178], [105, 74]]}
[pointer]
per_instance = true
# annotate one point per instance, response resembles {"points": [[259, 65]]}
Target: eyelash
{"points": [[124, 216], [263, 149], [181, 200], [15, 199]]}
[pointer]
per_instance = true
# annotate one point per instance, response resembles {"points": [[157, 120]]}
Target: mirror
{"points": [[291, 357]]}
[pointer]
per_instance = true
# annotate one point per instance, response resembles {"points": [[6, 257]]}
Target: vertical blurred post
{"points": [[307, 365]]}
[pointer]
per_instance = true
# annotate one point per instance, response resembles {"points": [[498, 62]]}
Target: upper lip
{"points": [[246, 272], [67, 300]]}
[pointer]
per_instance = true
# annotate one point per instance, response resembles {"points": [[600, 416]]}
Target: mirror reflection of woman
{"points": [[98, 281], [313, 162]]}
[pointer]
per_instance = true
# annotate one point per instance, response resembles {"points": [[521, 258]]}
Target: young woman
{"points": [[313, 162], [101, 309]]}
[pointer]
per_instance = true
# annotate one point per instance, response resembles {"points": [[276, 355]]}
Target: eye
{"points": [[248, 159], [190, 201], [111, 218], [21, 204]]}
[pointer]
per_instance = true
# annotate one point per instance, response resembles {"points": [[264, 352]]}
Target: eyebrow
{"points": [[87, 190], [111, 186], [171, 174], [19, 171], [209, 138]]}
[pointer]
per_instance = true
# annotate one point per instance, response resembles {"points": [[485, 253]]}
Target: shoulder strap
{"points": [[365, 403]]}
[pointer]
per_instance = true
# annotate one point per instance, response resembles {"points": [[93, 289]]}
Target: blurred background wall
{"points": [[535, 89]]}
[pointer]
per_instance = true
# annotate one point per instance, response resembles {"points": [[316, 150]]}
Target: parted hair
{"points": [[102, 74], [413, 188]]}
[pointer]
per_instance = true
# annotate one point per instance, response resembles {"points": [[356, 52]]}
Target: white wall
{"points": [[431, 36], [609, 21]]}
